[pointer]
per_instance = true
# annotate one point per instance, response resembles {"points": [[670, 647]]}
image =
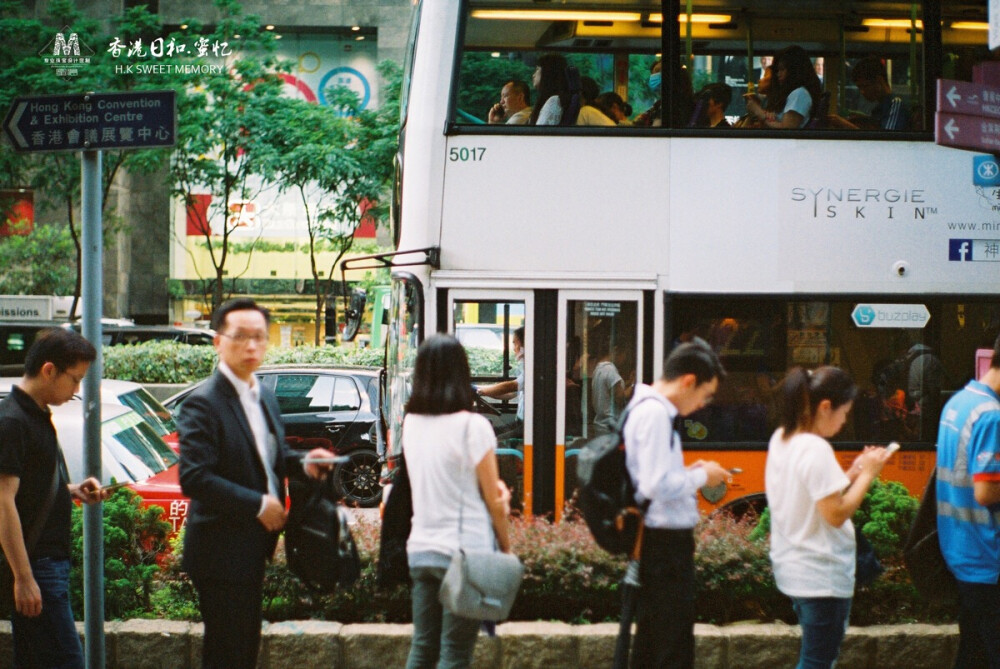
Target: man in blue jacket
{"points": [[968, 503]]}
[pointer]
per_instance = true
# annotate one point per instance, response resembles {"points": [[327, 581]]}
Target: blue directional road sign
{"points": [[91, 121]]}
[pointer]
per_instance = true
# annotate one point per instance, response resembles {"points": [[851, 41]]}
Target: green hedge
{"points": [[568, 578], [172, 362]]}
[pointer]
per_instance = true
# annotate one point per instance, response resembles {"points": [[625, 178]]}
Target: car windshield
{"points": [[151, 410], [131, 439]]}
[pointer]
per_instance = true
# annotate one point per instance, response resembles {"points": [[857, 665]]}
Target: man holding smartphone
{"points": [[36, 501], [233, 466]]}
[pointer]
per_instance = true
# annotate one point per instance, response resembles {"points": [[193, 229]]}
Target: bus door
{"points": [[489, 325], [599, 360]]}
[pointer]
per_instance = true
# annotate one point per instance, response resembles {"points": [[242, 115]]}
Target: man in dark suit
{"points": [[233, 466]]}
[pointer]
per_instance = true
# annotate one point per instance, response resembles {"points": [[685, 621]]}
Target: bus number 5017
{"points": [[465, 154]]}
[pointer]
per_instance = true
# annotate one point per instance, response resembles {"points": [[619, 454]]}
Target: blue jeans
{"points": [[49, 641], [823, 621], [978, 626], [441, 640]]}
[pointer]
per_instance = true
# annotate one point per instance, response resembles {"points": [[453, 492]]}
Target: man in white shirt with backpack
{"points": [[691, 376]]}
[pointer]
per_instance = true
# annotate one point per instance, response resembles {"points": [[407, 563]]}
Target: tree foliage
{"points": [[36, 263], [338, 162], [56, 176]]}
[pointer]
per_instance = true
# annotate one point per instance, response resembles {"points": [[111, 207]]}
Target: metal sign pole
{"points": [[93, 514]]}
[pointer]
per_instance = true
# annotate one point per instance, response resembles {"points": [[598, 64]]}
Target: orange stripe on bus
{"points": [[560, 480]]}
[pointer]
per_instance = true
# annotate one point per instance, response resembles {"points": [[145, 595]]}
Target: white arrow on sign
{"points": [[15, 134], [953, 97], [951, 128]]}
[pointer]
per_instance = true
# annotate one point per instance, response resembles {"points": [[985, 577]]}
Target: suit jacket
{"points": [[221, 471]]}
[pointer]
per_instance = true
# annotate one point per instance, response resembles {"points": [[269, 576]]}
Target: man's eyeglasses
{"points": [[244, 338]]}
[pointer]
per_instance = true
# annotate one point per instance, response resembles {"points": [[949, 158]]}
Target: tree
{"points": [[339, 163], [22, 72], [224, 122], [35, 263]]}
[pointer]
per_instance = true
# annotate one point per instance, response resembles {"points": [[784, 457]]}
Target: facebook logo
{"points": [[960, 249]]}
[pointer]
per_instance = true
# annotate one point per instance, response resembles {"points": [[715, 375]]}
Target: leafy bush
{"points": [[173, 362], [327, 355], [885, 517], [733, 573], [159, 362], [486, 362], [568, 578], [133, 538]]}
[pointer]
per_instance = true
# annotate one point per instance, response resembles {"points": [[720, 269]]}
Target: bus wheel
{"points": [[739, 508]]}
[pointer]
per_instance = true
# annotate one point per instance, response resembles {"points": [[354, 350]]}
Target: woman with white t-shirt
{"points": [[452, 467], [811, 501]]}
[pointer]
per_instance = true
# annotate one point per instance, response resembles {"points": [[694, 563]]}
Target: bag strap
{"points": [[461, 491], [34, 534]]}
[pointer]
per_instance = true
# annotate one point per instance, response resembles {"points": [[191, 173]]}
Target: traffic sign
{"points": [[959, 131], [91, 121], [963, 97]]}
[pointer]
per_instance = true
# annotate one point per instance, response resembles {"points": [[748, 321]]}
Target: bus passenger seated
{"points": [[589, 113], [513, 107], [612, 105], [681, 99], [713, 98], [872, 80], [551, 82], [796, 92]]}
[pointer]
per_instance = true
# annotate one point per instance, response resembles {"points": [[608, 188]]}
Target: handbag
{"points": [[867, 567], [397, 519], [480, 584], [318, 543], [922, 553], [7, 601]]}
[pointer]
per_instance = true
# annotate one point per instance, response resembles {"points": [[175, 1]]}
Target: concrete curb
{"points": [[165, 644]]}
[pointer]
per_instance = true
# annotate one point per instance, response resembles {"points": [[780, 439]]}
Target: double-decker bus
{"points": [[834, 243]]}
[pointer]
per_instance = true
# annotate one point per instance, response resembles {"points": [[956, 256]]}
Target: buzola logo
{"points": [[960, 250], [864, 314]]}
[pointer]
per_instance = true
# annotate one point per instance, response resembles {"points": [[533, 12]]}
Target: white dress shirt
{"points": [[263, 439], [655, 462]]}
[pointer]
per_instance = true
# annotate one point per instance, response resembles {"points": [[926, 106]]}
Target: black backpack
{"points": [[606, 493]]}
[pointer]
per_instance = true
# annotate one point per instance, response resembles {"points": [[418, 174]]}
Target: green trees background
{"points": [[233, 132]]}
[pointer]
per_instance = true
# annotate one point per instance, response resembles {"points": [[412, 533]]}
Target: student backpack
{"points": [[606, 493]]}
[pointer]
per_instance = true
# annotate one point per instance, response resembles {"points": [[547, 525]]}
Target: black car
{"points": [[16, 337], [115, 335], [328, 407]]}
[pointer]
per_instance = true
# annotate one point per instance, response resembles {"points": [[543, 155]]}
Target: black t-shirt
{"points": [[29, 450]]}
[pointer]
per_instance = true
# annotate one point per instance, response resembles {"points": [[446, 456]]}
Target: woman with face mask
{"points": [[681, 99]]}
